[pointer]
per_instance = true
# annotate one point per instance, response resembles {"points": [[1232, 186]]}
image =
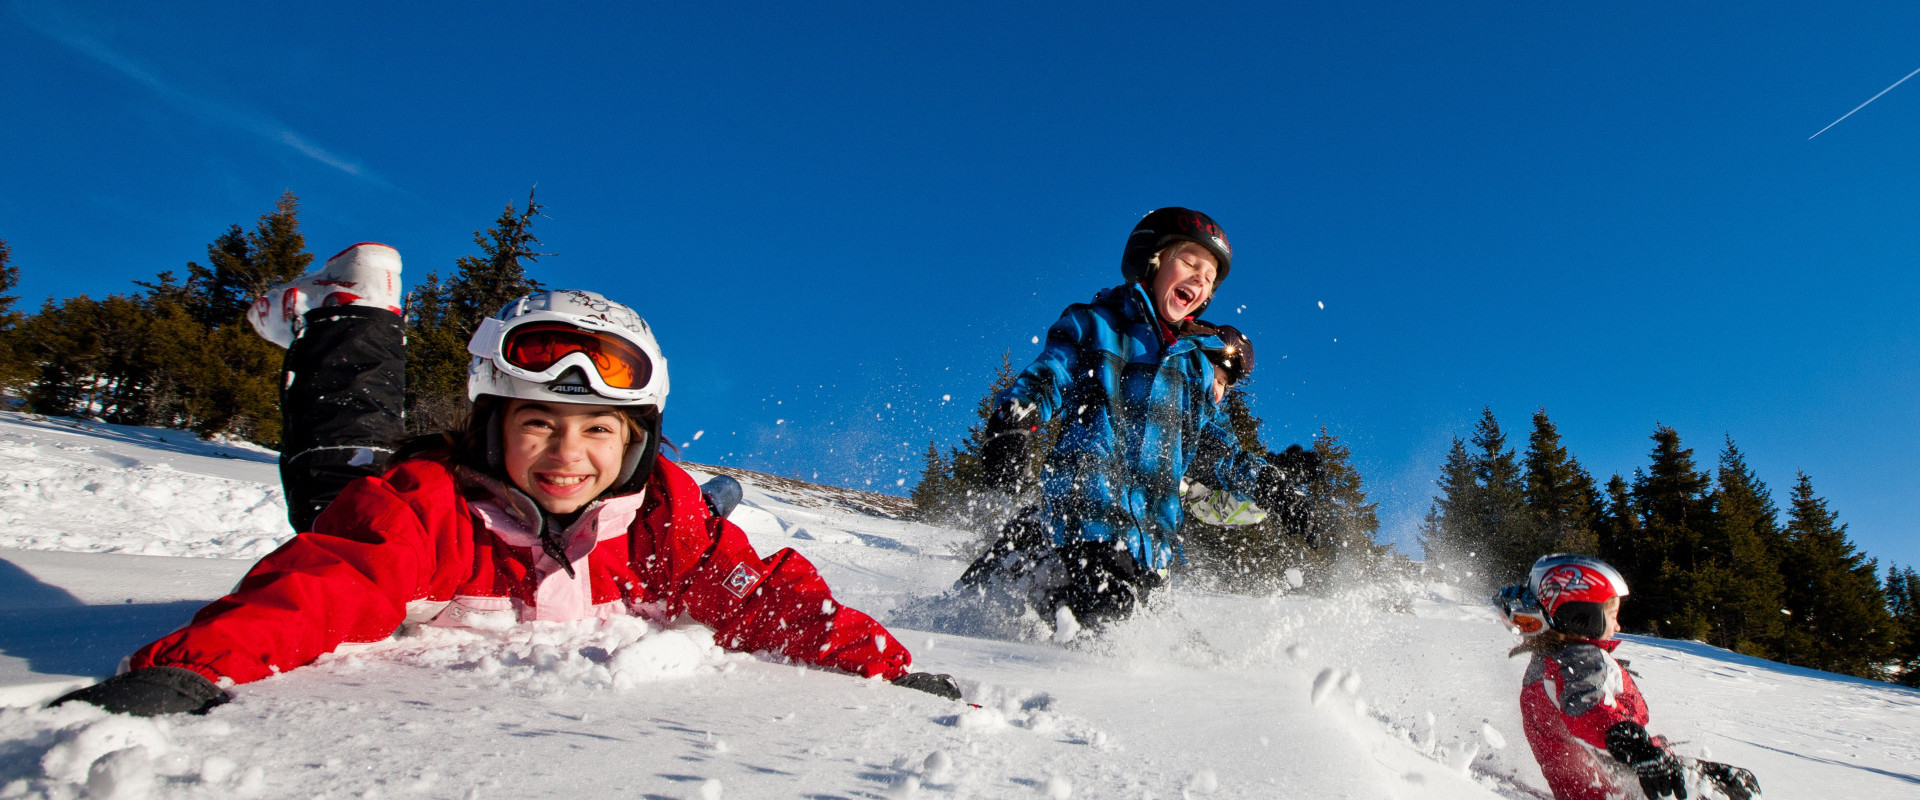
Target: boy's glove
{"points": [[1737, 783], [930, 682], [1003, 458], [1283, 489], [1300, 464], [151, 692], [1661, 774]]}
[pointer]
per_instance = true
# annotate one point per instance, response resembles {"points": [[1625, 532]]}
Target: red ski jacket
{"points": [[1570, 697], [433, 543]]}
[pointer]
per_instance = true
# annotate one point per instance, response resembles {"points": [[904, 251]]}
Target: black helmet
{"points": [[1237, 359], [1166, 226]]}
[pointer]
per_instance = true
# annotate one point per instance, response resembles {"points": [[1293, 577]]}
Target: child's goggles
{"points": [[1520, 610], [541, 350]]}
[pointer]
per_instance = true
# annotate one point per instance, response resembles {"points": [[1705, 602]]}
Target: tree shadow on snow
{"points": [[1862, 767], [1704, 651], [57, 634]]}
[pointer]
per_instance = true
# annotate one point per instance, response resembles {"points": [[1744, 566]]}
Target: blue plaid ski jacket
{"points": [[1136, 413]]}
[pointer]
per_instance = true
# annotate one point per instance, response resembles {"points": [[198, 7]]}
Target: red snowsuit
{"points": [[430, 542], [1571, 695]]}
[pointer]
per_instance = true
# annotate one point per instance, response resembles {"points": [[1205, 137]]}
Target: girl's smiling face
{"points": [[563, 455], [1183, 282]]}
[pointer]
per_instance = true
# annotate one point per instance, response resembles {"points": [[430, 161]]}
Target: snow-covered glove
{"points": [[1003, 460], [1661, 774], [151, 692], [1003, 457], [1737, 783], [930, 682], [1284, 488]]}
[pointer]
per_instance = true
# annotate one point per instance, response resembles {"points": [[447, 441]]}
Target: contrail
{"points": [[1864, 105], [62, 26]]}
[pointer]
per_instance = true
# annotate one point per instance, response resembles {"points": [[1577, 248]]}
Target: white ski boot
{"points": [[366, 274]]}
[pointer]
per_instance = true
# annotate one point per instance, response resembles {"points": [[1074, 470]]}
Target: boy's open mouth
{"points": [[1186, 295]]}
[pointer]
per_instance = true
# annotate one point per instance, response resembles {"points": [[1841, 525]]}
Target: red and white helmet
{"points": [[1571, 590]]}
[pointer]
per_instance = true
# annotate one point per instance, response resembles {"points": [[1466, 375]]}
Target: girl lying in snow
{"points": [[1584, 716], [553, 503]]}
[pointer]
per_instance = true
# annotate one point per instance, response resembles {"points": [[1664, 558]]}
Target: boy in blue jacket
{"points": [[1129, 373]]}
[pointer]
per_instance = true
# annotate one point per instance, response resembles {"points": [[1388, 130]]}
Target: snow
{"points": [[111, 536]]}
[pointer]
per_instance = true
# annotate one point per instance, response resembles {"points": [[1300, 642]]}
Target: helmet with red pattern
{"points": [[1573, 589]]}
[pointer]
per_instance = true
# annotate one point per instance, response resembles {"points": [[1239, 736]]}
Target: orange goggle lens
{"points": [[537, 347]]}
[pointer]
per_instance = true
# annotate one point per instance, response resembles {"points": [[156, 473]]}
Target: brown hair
{"points": [[1543, 642]]}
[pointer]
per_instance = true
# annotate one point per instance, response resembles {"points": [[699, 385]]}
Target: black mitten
{"points": [[1661, 774], [1285, 489], [1737, 783], [931, 683], [1004, 459], [151, 692]]}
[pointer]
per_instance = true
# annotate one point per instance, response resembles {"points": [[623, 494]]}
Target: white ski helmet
{"points": [[577, 347]]}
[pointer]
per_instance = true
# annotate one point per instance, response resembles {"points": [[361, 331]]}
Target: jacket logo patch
{"points": [[741, 580]]}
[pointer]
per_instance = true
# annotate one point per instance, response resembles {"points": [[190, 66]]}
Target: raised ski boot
{"points": [[366, 274]]}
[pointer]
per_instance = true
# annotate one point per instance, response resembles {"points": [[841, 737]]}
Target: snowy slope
{"points": [[111, 536]]}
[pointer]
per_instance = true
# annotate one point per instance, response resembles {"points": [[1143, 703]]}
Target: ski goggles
{"points": [[539, 350], [1520, 610]]}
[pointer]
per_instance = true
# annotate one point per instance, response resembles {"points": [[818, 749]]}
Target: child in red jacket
{"points": [[552, 503], [1584, 717]]}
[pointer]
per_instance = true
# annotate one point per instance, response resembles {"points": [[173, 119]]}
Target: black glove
{"points": [[930, 682], [151, 692], [1003, 457], [1284, 489], [1661, 774], [1737, 783], [1301, 465]]}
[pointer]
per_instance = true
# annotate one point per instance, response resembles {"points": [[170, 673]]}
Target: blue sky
{"points": [[836, 214]]}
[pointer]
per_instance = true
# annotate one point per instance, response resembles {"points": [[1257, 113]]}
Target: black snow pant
{"points": [[1100, 583], [340, 405], [1097, 581]]}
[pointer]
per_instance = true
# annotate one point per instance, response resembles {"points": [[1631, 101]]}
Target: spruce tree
{"points": [[1675, 511], [1500, 519], [1840, 621], [243, 398], [1448, 536], [65, 352], [1345, 520], [9, 278], [16, 369], [961, 493], [1560, 494], [488, 281], [1903, 605], [931, 493], [243, 265], [1742, 595], [1618, 529], [442, 316]]}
